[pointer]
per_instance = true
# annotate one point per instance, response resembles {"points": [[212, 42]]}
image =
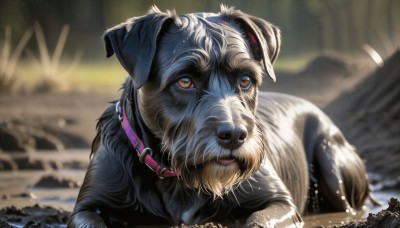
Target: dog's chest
{"points": [[188, 206], [187, 217]]}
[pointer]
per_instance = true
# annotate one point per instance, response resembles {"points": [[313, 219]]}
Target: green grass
{"points": [[293, 63], [98, 76], [105, 77]]}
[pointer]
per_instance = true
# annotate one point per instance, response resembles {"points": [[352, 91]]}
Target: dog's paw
{"points": [[255, 225], [258, 220], [275, 215], [86, 219]]}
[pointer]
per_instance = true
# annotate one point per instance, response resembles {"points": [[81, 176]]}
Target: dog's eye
{"points": [[185, 82], [245, 82]]}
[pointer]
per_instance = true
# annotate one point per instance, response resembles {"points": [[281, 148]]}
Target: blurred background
{"points": [[309, 28], [55, 81]]}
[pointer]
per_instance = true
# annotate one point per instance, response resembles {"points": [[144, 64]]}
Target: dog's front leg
{"points": [[86, 219], [266, 190], [275, 215], [104, 191]]}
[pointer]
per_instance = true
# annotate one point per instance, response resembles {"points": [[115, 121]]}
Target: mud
{"points": [[33, 216], [207, 225], [39, 216], [389, 217]]}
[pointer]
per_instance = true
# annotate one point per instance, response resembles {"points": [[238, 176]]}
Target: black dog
{"points": [[191, 140]]}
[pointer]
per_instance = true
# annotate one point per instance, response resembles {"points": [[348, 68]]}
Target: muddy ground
{"points": [[364, 101]]}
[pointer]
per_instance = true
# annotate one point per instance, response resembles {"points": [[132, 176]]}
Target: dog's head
{"points": [[196, 77]]}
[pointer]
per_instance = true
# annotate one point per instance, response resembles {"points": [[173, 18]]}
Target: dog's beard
{"points": [[197, 165], [216, 179]]}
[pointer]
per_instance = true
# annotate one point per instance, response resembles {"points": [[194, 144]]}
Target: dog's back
{"points": [[304, 146]]}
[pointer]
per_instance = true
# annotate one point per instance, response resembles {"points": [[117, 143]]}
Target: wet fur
{"points": [[291, 150]]}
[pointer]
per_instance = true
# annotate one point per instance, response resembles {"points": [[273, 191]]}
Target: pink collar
{"points": [[144, 153]]}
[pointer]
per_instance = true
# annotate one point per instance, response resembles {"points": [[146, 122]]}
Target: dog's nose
{"points": [[230, 136]]}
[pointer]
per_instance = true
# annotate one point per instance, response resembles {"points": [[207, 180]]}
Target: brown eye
{"points": [[245, 82], [185, 82]]}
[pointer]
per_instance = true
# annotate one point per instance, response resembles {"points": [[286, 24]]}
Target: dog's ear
{"points": [[134, 43], [264, 38]]}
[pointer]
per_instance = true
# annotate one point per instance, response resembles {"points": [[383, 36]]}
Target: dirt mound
{"points": [[32, 126], [35, 216], [55, 182], [21, 135], [327, 65], [321, 80], [385, 218], [369, 115]]}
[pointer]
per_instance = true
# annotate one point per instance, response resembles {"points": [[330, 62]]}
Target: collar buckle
{"points": [[119, 111], [144, 153]]}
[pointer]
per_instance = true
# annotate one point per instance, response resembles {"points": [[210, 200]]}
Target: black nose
{"points": [[230, 136]]}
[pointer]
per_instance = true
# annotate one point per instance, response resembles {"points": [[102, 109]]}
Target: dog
{"points": [[192, 140]]}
